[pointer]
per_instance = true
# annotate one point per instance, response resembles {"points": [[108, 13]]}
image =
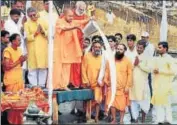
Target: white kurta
{"points": [[131, 54], [140, 92], [19, 21], [149, 50], [12, 28], [110, 17]]}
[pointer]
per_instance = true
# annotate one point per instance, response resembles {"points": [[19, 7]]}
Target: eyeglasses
{"points": [[32, 15]]}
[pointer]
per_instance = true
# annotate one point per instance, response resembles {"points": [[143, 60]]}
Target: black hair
{"points": [[87, 39], [95, 37], [15, 12], [142, 42], [119, 34], [44, 1], [4, 33], [164, 44], [125, 48], [96, 42], [112, 37], [13, 37], [132, 37], [15, 1]]}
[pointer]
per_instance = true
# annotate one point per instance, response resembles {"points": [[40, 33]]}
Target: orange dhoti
{"points": [[67, 50], [121, 100], [61, 73], [108, 98], [97, 94]]}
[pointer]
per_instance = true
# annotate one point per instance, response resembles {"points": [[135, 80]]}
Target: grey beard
{"points": [[77, 12], [97, 53]]}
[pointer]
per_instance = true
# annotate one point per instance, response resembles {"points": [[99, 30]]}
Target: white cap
{"points": [[145, 34]]}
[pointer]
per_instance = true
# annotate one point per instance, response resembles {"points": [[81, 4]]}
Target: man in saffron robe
{"points": [[79, 15], [124, 82], [90, 70], [13, 61], [67, 49]]}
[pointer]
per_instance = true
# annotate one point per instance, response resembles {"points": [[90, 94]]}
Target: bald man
{"points": [[79, 15], [67, 49]]}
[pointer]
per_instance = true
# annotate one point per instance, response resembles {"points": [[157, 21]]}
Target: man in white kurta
{"points": [[19, 5], [12, 26], [149, 52], [163, 72], [140, 93], [131, 52], [110, 17]]}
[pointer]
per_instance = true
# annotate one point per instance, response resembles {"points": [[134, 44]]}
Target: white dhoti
{"points": [[137, 106], [37, 77], [127, 116], [164, 113]]}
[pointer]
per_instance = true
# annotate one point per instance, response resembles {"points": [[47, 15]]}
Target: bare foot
{"points": [[67, 89], [96, 120], [113, 122], [121, 123]]}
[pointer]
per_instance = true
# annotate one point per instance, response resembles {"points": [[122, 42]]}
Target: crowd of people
{"points": [[142, 76]]}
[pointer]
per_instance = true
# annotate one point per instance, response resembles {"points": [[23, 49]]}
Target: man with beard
{"points": [[124, 82], [140, 92], [90, 70], [163, 72], [79, 15]]}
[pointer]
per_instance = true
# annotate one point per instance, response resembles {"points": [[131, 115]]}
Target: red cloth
{"points": [[16, 110], [75, 75]]}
